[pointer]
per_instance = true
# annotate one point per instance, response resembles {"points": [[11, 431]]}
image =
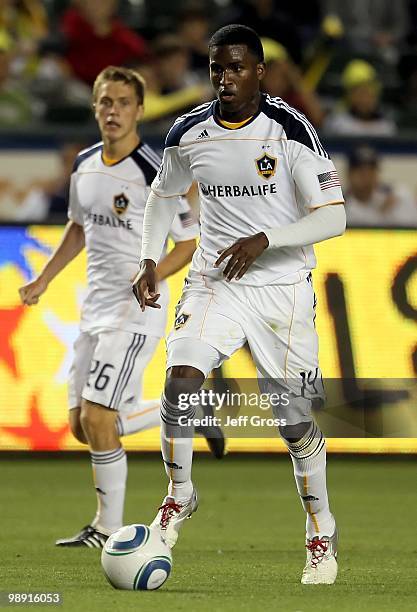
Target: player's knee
{"points": [[88, 417], [182, 379], [98, 423], [76, 427], [294, 433], [78, 433], [94, 418]]}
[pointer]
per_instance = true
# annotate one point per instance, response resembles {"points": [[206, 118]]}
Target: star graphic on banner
{"points": [[10, 319], [37, 432], [13, 245], [67, 333]]}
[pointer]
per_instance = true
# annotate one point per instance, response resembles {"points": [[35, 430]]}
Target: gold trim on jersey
{"points": [[141, 412], [234, 126], [219, 138], [108, 161], [174, 195], [125, 180], [332, 203], [289, 334]]}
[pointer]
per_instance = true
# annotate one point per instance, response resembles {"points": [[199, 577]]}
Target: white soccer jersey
{"points": [[268, 173], [109, 202]]}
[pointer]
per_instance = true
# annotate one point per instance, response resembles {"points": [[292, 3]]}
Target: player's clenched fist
{"points": [[30, 293], [242, 255], [144, 285]]}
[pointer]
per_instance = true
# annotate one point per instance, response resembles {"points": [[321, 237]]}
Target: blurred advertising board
{"points": [[366, 286]]}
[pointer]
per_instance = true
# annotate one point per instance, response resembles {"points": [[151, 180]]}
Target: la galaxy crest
{"points": [[120, 203], [181, 320], [266, 165]]}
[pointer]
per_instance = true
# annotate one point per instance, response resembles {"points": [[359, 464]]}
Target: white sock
{"points": [[177, 449], [145, 418], [309, 461], [110, 475]]}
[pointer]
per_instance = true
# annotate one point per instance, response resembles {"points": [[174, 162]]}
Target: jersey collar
{"points": [[235, 129], [141, 143]]}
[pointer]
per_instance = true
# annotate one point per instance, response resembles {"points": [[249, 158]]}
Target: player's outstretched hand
{"points": [[144, 285], [30, 293], [242, 255]]}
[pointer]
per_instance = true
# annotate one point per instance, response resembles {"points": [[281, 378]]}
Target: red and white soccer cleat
{"points": [[171, 516], [321, 566]]}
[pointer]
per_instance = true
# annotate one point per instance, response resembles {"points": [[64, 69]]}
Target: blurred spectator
{"points": [[266, 18], [172, 63], [284, 80], [171, 87], [363, 115], [66, 99], [371, 26], [26, 22], [40, 200], [17, 107], [96, 38], [370, 201], [194, 29], [57, 191]]}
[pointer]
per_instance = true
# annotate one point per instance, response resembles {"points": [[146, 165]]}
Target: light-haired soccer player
{"points": [[268, 192], [109, 187]]}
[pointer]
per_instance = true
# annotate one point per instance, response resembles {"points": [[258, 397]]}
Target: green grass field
{"points": [[242, 550]]}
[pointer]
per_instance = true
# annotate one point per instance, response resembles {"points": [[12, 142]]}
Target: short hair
{"points": [[363, 155], [125, 75], [237, 34]]}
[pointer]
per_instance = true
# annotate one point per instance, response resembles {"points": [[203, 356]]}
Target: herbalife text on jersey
{"points": [[237, 191]]}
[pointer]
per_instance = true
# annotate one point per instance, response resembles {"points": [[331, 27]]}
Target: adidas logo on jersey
{"points": [[204, 134]]}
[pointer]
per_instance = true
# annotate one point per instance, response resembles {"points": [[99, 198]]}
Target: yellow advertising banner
{"points": [[366, 286]]}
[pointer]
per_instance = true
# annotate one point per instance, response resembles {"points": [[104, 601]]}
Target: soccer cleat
{"points": [[88, 536], [171, 516], [321, 566]]}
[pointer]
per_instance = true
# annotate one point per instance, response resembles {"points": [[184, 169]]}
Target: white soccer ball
{"points": [[135, 558]]}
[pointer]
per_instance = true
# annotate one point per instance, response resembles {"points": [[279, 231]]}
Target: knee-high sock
{"points": [[110, 475], [309, 461], [177, 449], [145, 418]]}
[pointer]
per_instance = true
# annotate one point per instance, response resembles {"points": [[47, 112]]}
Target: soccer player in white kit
{"points": [[268, 191], [109, 187]]}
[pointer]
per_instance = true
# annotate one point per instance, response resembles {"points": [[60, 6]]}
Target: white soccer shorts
{"points": [[215, 318], [108, 368]]}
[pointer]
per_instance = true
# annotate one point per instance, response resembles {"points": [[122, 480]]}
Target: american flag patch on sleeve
{"points": [[186, 218], [327, 180]]}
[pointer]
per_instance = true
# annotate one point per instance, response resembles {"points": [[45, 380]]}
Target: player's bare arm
{"points": [[176, 259], [242, 255], [71, 245]]}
